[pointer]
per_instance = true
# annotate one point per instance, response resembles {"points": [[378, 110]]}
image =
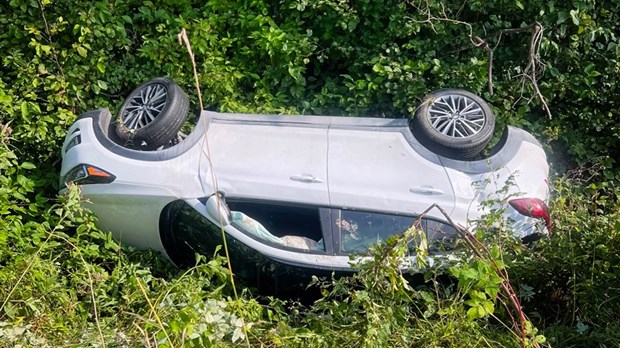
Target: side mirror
{"points": [[217, 209]]}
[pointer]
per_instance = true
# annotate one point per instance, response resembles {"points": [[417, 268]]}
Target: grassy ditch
{"points": [[63, 282]]}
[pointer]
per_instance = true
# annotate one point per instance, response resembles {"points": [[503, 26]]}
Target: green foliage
{"points": [[380, 307], [66, 281], [481, 283], [570, 282], [62, 281], [322, 57]]}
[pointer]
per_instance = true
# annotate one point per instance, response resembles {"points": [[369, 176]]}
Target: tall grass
{"points": [[63, 282]]}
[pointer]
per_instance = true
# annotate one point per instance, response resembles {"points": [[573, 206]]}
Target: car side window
{"points": [[280, 225], [358, 230], [185, 232]]}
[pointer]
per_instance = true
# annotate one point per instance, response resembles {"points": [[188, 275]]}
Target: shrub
{"points": [[62, 280]]}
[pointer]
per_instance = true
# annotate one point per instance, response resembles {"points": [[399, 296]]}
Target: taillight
{"points": [[532, 207], [88, 174]]}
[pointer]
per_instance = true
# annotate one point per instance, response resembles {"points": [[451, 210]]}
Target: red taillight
{"points": [[532, 207]]}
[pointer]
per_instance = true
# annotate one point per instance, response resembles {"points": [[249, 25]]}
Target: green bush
{"points": [[63, 281], [322, 57], [571, 282]]}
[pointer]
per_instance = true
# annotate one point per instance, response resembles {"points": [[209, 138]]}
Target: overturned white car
{"points": [[297, 194]]}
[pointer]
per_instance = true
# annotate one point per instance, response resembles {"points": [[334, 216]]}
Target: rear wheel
{"points": [[152, 115], [454, 123]]}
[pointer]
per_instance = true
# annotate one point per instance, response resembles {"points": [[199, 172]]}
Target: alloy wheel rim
{"points": [[456, 116], [145, 106]]}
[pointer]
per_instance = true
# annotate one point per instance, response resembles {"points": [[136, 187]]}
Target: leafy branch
{"points": [[481, 252]]}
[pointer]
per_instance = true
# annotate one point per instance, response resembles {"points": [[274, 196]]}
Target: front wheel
{"points": [[152, 115], [454, 123]]}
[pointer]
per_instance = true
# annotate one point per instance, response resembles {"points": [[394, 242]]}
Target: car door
{"points": [[278, 161], [377, 169]]}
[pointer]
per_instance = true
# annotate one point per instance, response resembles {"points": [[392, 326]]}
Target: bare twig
{"points": [[184, 40], [534, 46], [154, 311], [490, 73], [147, 340], [49, 39], [530, 71]]}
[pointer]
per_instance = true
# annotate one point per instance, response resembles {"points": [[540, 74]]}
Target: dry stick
{"points": [[505, 285], [91, 285], [535, 41], [534, 44], [154, 311], [5, 131], [36, 255], [475, 40], [480, 43], [146, 336], [490, 73], [183, 39], [508, 290]]}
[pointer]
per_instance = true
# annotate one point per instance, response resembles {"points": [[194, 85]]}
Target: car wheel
{"points": [[454, 123], [152, 114]]}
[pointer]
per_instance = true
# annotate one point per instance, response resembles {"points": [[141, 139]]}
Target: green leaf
{"points": [[479, 295], [472, 313], [28, 165], [82, 51], [24, 107], [5, 99], [495, 251], [488, 307], [562, 17], [102, 84], [472, 302], [574, 17], [22, 180], [469, 273], [519, 5]]}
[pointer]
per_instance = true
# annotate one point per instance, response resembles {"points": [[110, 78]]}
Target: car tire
{"points": [[453, 123], [152, 115]]}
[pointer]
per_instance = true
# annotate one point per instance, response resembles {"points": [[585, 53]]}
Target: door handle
{"points": [[307, 178], [426, 190]]}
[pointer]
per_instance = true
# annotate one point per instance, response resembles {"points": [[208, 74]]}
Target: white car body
{"points": [[354, 164]]}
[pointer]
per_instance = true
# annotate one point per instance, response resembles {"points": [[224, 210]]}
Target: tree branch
{"points": [[483, 253], [537, 32]]}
